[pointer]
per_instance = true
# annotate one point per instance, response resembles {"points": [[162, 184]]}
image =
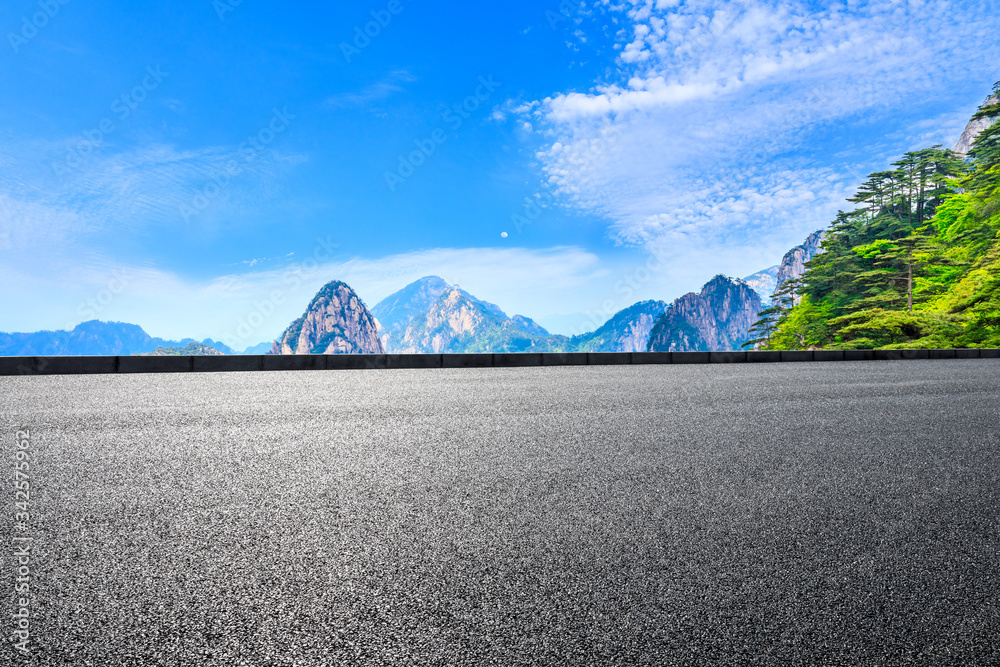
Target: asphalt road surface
{"points": [[823, 513]]}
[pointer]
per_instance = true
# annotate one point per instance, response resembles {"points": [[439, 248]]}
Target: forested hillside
{"points": [[915, 265]]}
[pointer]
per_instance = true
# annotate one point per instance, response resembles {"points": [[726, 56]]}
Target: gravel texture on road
{"points": [[828, 513]]}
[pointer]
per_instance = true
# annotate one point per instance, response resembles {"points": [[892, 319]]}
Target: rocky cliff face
{"points": [[431, 316], [719, 318], [793, 264], [453, 319], [395, 313], [336, 322], [627, 330], [972, 130]]}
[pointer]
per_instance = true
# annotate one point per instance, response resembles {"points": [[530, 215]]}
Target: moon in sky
{"points": [[503, 235]]}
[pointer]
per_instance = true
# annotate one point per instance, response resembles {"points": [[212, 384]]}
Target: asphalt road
{"points": [[824, 513]]}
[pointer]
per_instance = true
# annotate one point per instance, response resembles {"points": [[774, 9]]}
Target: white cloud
{"points": [[510, 107], [721, 128]]}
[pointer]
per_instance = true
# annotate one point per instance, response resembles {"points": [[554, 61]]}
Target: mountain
{"points": [[529, 325], [96, 338], [395, 312], [973, 129], [87, 338], [456, 321], [430, 315], [335, 322], [764, 282], [719, 318], [627, 331], [216, 345], [259, 348], [793, 264]]}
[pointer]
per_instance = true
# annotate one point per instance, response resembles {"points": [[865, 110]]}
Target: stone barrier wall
{"points": [[318, 362]]}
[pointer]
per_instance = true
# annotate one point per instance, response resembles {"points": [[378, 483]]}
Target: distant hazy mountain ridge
{"points": [[94, 338], [764, 282]]}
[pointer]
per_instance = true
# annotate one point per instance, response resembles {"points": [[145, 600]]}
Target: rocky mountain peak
{"points": [[335, 322], [430, 315], [973, 129], [717, 318], [793, 264]]}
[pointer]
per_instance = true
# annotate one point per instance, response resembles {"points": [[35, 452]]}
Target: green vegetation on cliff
{"points": [[916, 265]]}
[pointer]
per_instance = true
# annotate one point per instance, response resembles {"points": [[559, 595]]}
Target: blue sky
{"points": [[200, 168]]}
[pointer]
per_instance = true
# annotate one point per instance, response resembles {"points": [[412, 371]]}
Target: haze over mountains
{"points": [[764, 282], [98, 338], [718, 318], [431, 315]]}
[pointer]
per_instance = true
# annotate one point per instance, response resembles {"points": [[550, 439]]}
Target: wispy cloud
{"points": [[375, 92], [722, 123], [125, 191]]}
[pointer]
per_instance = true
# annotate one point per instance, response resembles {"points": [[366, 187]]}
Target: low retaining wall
{"points": [[316, 362]]}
